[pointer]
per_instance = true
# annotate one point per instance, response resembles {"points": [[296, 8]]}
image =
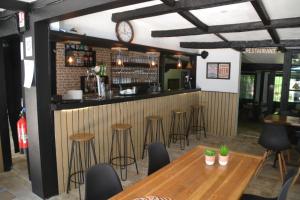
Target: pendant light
{"points": [[119, 55], [179, 63]]}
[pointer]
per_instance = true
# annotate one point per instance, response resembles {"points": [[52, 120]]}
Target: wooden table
{"points": [[283, 120], [189, 177]]}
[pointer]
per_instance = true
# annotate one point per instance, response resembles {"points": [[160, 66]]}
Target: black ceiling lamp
{"points": [[204, 54]]}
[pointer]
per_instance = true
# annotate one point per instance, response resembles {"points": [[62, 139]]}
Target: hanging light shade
{"points": [[179, 63], [119, 59], [153, 58]]}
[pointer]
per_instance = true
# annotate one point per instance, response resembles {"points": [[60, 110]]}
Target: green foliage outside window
{"points": [[247, 86]]}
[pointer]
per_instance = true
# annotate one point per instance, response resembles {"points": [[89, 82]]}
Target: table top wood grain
{"points": [[188, 177], [283, 120]]}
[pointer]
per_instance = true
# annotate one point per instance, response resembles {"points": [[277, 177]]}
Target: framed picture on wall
{"points": [[218, 71], [212, 71], [224, 71]]}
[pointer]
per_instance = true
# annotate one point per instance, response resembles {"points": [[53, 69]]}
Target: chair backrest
{"points": [[102, 182], [158, 157], [274, 137], [288, 180]]}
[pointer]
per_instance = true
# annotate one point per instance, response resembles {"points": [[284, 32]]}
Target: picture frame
{"points": [[215, 70]]}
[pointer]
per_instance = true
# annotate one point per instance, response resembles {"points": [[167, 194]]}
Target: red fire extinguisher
{"points": [[22, 133]]}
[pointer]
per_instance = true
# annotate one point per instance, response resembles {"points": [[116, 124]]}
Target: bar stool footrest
{"points": [[131, 161]]}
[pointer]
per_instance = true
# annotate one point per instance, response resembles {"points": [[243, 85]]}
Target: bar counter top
{"points": [[94, 101]]}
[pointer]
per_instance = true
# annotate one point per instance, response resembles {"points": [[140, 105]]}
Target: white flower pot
{"points": [[223, 160], [210, 160]]}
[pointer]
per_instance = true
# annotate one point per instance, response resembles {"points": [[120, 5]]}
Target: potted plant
{"points": [[223, 155], [210, 156]]}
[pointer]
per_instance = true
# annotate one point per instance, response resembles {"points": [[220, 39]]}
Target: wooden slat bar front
{"points": [[189, 177], [219, 109]]}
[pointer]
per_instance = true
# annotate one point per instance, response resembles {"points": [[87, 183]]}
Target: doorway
{"points": [[260, 90]]}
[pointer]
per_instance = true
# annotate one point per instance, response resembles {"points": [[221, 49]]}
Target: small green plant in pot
{"points": [[223, 155], [210, 156]]}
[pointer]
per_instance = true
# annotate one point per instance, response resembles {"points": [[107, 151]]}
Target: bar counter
{"points": [[97, 117], [94, 101]]}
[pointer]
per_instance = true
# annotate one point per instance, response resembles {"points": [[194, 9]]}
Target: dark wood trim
{"points": [[193, 20], [241, 27], [239, 44], [160, 9], [9, 27], [261, 66], [41, 138], [14, 5], [169, 2], [285, 82], [262, 13], [4, 130], [42, 10]]}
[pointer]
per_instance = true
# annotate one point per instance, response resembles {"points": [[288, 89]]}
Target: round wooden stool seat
{"points": [[154, 117], [82, 137], [121, 127], [179, 111]]}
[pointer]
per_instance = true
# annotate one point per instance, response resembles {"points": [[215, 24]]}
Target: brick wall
{"points": [[68, 78]]}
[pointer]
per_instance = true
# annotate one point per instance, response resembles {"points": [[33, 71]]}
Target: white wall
{"points": [[219, 85], [100, 25]]}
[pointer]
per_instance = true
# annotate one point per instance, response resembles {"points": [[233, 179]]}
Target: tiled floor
{"points": [[14, 184]]}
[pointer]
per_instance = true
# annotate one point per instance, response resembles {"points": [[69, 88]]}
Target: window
{"points": [[277, 88], [247, 86]]}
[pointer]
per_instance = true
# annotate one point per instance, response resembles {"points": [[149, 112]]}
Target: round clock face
{"points": [[124, 31]]}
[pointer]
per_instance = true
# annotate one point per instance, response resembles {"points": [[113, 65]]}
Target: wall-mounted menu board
{"points": [[218, 70], [79, 55]]}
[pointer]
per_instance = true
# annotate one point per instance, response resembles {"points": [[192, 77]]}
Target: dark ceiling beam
{"points": [[262, 13], [161, 9], [250, 26], [193, 20], [169, 2], [14, 5], [66, 9], [239, 44]]}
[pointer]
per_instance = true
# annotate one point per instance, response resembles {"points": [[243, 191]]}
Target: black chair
{"points": [[274, 138], [288, 180], [158, 157], [102, 182]]}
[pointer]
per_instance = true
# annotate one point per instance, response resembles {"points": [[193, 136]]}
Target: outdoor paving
{"points": [[15, 185]]}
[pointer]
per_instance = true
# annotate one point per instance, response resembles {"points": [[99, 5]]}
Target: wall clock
{"points": [[124, 31]]}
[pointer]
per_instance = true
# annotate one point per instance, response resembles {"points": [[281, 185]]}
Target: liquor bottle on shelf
{"points": [[85, 60], [91, 59]]}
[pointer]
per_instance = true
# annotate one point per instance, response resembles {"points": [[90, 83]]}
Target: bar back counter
{"points": [[97, 117]]}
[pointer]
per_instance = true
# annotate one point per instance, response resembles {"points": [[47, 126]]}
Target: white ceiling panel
{"points": [[289, 33], [247, 36], [200, 38], [168, 21], [229, 14], [282, 8]]}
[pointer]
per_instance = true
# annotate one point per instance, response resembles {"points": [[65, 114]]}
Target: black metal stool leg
{"points": [[203, 122], [111, 148], [94, 151], [145, 140], [70, 166], [163, 133], [134, 157]]}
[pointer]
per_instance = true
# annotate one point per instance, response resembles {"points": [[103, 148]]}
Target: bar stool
{"points": [[119, 130], [178, 128], [196, 121], [158, 133], [85, 140]]}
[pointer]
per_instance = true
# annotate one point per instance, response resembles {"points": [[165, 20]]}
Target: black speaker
{"points": [[204, 54]]}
